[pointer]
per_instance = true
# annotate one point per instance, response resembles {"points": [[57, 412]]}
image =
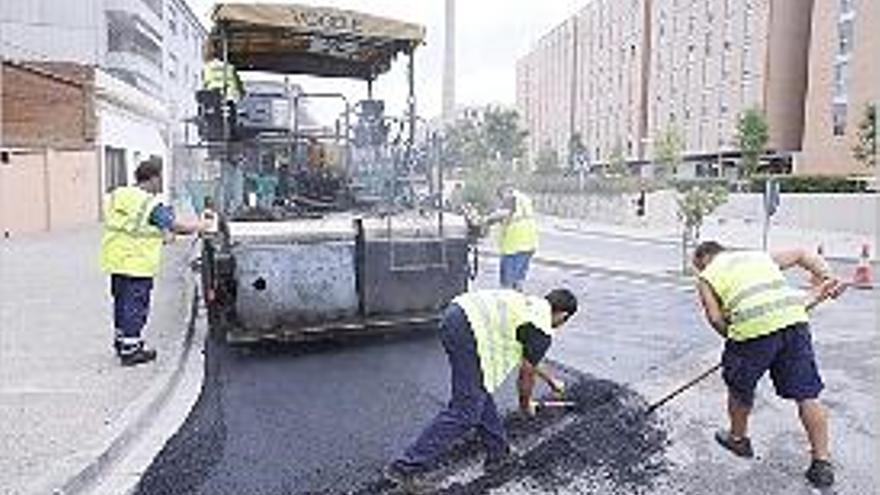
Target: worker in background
{"points": [[135, 225], [518, 237], [764, 321], [486, 334], [217, 75]]}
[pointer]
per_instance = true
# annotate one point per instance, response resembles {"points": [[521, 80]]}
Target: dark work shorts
{"points": [[787, 353]]}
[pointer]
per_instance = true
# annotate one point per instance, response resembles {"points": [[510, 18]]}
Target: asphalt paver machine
{"points": [[325, 229]]}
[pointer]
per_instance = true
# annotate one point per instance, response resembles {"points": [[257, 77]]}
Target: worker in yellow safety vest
{"points": [[518, 239], [217, 75], [764, 321], [135, 226], [486, 334]]}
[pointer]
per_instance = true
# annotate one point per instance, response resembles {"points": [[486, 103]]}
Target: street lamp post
{"points": [[645, 142]]}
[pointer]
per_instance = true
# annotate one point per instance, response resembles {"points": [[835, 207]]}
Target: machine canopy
{"points": [[318, 41]]}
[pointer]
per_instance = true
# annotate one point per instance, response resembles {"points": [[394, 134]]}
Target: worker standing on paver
{"points": [[519, 235], [135, 225], [748, 301], [486, 334]]}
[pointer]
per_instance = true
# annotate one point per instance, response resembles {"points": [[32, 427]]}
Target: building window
{"points": [[838, 119], [184, 31], [115, 169], [155, 6], [846, 6], [172, 20], [172, 66], [841, 74], [845, 36]]}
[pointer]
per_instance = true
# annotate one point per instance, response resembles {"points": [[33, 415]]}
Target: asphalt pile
{"points": [[606, 440]]}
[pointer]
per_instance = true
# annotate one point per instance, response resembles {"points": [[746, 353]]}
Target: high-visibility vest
{"points": [[213, 78], [131, 245], [755, 297], [494, 316], [519, 233]]}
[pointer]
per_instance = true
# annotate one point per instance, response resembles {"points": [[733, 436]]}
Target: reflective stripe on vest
{"points": [[494, 316], [130, 245], [755, 296], [520, 233], [213, 78]]}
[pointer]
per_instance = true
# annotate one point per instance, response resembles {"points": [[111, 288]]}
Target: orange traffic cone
{"points": [[863, 278]]}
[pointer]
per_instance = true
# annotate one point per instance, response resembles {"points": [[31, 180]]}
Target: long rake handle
{"points": [[709, 372], [675, 393]]}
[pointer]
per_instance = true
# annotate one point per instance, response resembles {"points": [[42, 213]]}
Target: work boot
{"points": [[406, 480], [820, 473], [741, 447], [137, 357]]}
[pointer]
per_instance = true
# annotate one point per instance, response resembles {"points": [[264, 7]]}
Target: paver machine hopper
{"points": [[325, 229]]}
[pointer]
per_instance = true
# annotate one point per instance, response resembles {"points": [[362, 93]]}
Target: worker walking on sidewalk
{"points": [[135, 225], [486, 334], [518, 238], [764, 321]]}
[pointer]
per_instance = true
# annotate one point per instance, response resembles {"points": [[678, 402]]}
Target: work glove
{"points": [[558, 388]]}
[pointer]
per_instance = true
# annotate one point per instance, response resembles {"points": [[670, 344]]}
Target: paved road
{"points": [[662, 253], [326, 419]]}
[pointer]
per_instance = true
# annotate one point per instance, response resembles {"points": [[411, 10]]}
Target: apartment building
{"points": [[147, 60], [587, 77], [711, 60], [546, 90], [645, 68], [844, 78]]}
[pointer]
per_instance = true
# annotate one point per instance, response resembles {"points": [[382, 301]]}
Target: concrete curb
{"points": [[139, 416]]}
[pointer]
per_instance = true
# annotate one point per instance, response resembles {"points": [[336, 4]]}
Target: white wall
{"points": [[53, 30], [844, 213]]}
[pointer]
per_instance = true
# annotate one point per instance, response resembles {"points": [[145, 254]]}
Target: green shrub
{"points": [[810, 184]]}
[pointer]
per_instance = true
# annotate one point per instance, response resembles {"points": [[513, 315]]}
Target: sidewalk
{"points": [[65, 402]]}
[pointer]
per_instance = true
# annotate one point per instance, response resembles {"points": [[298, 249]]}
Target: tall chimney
{"points": [[449, 64]]}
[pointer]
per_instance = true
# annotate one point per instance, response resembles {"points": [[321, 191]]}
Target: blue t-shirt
{"points": [[162, 217]]}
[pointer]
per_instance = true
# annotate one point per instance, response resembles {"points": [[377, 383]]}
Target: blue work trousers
{"points": [[471, 405], [131, 305]]}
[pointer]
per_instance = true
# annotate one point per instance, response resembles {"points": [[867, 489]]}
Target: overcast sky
{"points": [[492, 34]]}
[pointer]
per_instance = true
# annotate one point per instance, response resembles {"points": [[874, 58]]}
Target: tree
{"points": [[577, 152], [503, 137], [753, 133], [464, 146], [547, 160], [617, 161], [667, 151], [694, 205], [865, 150], [472, 141]]}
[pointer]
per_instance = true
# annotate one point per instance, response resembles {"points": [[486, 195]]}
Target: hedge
{"points": [[810, 184]]}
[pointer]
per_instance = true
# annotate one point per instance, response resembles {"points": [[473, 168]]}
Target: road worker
{"points": [[217, 75], [135, 225], [764, 321], [486, 334], [518, 238]]}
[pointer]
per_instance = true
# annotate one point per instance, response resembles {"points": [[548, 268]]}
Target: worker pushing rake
{"points": [[766, 327]]}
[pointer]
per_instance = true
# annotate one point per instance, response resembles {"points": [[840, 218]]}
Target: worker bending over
{"points": [[486, 334], [764, 321], [518, 238]]}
